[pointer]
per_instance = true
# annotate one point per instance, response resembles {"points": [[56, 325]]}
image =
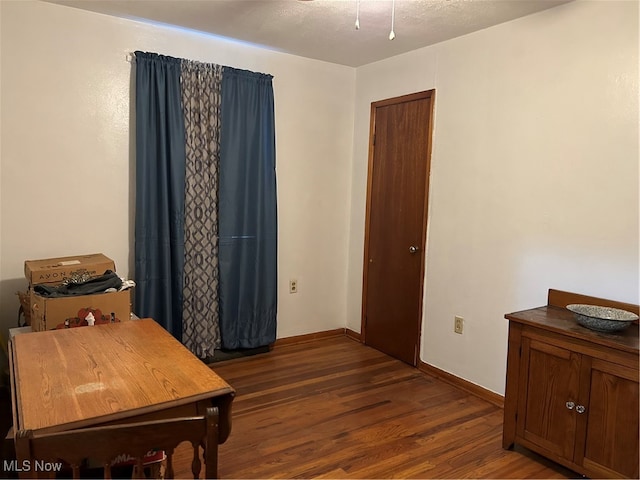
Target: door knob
{"points": [[570, 405], [413, 249], [581, 409]]}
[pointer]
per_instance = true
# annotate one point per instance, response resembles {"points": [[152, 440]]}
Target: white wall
{"points": [[67, 159], [534, 179]]}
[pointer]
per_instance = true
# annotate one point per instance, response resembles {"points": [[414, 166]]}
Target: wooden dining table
{"points": [[105, 374]]}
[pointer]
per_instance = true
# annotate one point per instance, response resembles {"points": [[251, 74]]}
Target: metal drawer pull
{"points": [[570, 405], [413, 249], [580, 409]]}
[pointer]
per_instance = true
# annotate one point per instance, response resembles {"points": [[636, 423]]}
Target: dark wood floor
{"points": [[334, 408]]}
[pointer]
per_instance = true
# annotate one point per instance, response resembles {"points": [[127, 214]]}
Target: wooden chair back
{"points": [[104, 444]]}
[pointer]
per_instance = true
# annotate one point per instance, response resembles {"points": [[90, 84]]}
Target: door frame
{"points": [[430, 94]]}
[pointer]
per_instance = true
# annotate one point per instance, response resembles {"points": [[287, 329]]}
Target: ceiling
{"points": [[325, 29]]}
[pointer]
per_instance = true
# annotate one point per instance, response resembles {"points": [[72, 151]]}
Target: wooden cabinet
{"points": [[572, 393]]}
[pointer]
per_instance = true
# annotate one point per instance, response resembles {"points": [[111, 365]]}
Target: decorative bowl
{"points": [[602, 319]]}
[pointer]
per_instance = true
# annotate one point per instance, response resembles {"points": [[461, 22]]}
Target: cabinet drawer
{"points": [[622, 358]]}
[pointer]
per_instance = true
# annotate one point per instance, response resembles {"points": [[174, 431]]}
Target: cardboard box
{"points": [[50, 313], [54, 271]]}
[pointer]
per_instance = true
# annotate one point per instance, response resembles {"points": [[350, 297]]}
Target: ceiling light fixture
{"points": [[392, 34]]}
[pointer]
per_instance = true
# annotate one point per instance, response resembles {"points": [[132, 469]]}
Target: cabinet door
{"points": [[550, 376], [611, 411]]}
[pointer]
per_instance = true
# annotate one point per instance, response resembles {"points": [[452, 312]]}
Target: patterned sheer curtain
{"points": [[201, 86]]}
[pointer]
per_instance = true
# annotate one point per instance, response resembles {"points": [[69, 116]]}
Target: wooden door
{"points": [[397, 193], [549, 396], [609, 420]]}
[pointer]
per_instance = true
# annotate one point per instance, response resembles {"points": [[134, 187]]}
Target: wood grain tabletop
{"points": [[70, 378]]}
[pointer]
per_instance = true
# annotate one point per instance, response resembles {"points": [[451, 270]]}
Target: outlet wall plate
{"points": [[458, 324]]}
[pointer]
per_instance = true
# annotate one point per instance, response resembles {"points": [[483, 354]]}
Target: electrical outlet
{"points": [[458, 323], [293, 286]]}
